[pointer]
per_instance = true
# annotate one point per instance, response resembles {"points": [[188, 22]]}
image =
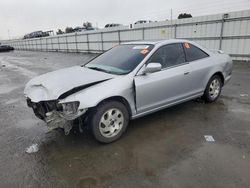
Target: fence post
{"points": [[36, 46], [76, 42], [102, 41], [175, 28], [52, 48], [46, 43], [143, 33], [26, 45], [87, 42], [41, 46], [66, 38], [119, 36], [58, 41]]}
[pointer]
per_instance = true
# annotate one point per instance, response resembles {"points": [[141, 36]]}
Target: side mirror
{"points": [[152, 67]]}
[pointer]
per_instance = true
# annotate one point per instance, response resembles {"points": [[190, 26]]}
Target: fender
{"points": [[92, 96]]}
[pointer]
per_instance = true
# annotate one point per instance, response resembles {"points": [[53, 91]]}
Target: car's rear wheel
{"points": [[213, 89], [109, 120]]}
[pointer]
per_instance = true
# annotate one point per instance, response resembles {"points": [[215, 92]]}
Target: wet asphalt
{"points": [[164, 149]]}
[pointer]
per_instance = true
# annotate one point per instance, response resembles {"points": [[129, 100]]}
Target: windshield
{"points": [[121, 59]]}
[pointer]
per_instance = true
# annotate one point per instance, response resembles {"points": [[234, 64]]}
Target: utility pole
{"points": [[171, 14], [171, 23], [9, 33]]}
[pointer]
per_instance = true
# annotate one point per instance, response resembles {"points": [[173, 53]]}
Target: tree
{"points": [[184, 15], [69, 30], [59, 32], [87, 25]]}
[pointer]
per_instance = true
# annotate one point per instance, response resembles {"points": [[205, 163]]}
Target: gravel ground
{"points": [[165, 149]]}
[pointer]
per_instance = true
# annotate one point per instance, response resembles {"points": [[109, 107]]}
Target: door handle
{"points": [[186, 73]]}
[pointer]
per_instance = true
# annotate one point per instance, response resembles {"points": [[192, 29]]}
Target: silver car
{"points": [[129, 81]]}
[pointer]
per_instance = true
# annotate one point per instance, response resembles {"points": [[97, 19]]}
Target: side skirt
{"points": [[166, 106]]}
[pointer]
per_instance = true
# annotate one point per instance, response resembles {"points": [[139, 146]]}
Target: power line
{"points": [[199, 8], [203, 5]]}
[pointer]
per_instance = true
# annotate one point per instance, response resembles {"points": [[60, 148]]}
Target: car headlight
{"points": [[70, 108]]}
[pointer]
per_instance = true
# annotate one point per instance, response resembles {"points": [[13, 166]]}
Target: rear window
{"points": [[193, 53]]}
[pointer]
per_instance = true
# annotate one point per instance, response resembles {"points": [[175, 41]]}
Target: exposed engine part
{"points": [[40, 109], [54, 120]]}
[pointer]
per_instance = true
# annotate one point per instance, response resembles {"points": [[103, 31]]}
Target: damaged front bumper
{"points": [[57, 115], [54, 120]]}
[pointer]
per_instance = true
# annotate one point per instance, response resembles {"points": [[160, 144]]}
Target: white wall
{"points": [[231, 35]]}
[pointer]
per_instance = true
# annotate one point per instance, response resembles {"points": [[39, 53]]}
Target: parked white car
{"points": [[143, 22], [129, 81]]}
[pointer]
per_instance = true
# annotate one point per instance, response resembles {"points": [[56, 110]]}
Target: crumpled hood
{"points": [[51, 85]]}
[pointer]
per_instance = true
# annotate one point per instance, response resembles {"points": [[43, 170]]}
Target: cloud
{"points": [[20, 17]]}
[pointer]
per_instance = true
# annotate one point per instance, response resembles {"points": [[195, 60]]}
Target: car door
{"points": [[167, 86], [200, 63]]}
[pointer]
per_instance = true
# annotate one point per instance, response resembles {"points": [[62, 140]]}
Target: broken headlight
{"points": [[71, 111], [70, 108]]}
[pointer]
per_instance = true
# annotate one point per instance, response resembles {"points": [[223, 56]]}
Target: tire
{"points": [[213, 89], [108, 121]]}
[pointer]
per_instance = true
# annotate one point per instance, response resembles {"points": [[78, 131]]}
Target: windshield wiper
{"points": [[96, 68], [100, 69]]}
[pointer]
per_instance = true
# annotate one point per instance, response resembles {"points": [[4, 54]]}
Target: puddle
{"points": [[7, 89], [87, 182], [27, 123], [12, 101], [17, 68], [20, 61]]}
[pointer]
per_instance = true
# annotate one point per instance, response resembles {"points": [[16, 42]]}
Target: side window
{"points": [[169, 55], [193, 53]]}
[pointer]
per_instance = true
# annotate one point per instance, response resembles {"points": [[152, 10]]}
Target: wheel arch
{"points": [[220, 75], [118, 99]]}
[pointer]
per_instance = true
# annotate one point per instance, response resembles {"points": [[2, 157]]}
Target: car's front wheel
{"points": [[213, 89], [108, 121]]}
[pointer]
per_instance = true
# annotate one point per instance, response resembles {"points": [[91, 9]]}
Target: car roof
{"points": [[158, 42]]}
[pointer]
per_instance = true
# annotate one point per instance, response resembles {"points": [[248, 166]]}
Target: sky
{"points": [[19, 17]]}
